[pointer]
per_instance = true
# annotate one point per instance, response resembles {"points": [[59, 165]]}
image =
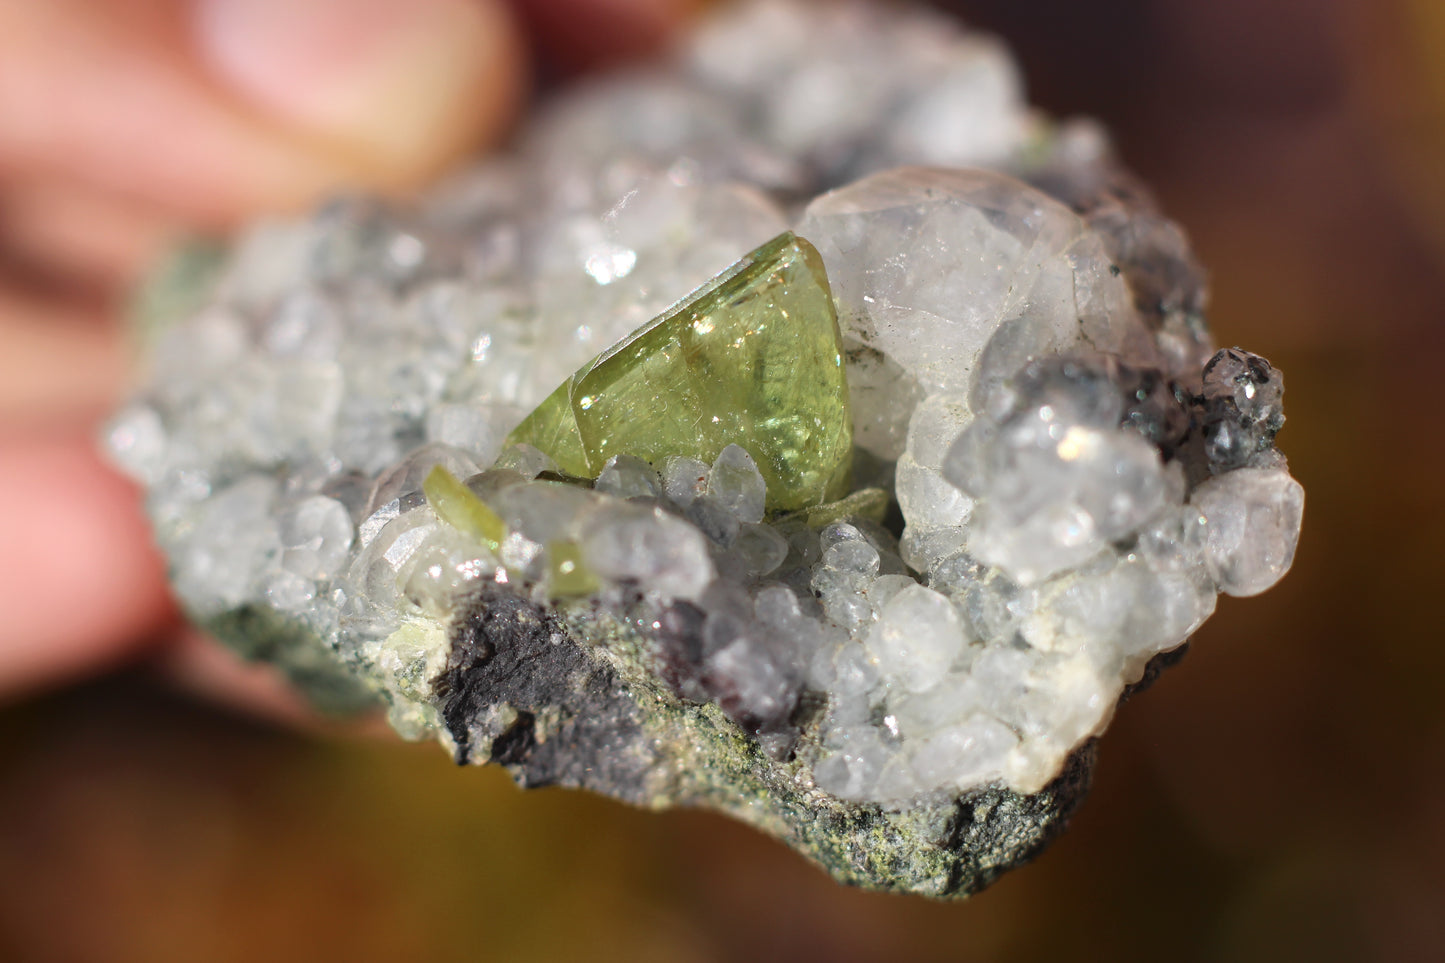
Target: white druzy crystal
{"points": [[231, 544], [656, 549], [916, 638], [316, 535]]}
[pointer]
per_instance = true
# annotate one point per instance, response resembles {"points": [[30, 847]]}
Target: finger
{"points": [[81, 585], [199, 111], [61, 365], [90, 94], [377, 77], [69, 232]]}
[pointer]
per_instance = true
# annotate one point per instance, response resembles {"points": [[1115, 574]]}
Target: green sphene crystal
{"points": [[459, 507], [754, 358]]}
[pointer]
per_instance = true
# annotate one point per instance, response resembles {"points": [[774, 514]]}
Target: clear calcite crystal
{"points": [[862, 541]]}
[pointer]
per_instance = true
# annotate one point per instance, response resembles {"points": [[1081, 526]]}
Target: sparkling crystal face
{"points": [[753, 358]]}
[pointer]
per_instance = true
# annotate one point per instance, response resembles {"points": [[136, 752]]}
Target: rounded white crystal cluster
{"points": [[1026, 369], [1062, 539]]}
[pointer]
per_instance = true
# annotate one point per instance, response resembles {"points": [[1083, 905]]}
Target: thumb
{"points": [[392, 88], [207, 111]]}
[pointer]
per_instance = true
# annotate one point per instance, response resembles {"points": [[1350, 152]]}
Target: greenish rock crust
{"points": [[262, 634], [181, 284], [524, 690]]}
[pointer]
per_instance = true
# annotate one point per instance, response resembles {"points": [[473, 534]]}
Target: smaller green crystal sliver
{"points": [[459, 507], [754, 358]]}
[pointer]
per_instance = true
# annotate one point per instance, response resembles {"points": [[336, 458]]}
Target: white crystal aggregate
{"points": [[1026, 368]]}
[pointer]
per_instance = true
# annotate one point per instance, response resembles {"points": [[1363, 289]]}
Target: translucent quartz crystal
{"points": [[754, 357], [628, 477], [652, 547], [917, 636], [737, 484], [316, 535], [685, 478]]}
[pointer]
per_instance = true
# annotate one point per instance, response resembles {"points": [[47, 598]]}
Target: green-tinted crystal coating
{"points": [[869, 503], [754, 357], [567, 574], [183, 283], [459, 507]]}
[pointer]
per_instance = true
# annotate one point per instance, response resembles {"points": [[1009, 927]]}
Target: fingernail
{"points": [[396, 79]]}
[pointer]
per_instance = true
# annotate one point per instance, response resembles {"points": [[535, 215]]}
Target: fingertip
{"points": [[61, 363], [398, 88], [204, 119], [82, 585]]}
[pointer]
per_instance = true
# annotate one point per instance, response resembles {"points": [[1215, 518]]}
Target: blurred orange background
{"points": [[1279, 795]]}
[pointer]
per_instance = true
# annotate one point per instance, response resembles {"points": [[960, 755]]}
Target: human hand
{"points": [[125, 124]]}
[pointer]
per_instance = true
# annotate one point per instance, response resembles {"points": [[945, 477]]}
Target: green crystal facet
{"points": [[459, 507], [754, 358], [552, 428]]}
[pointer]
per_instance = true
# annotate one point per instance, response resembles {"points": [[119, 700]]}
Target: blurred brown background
{"points": [[1279, 795]]}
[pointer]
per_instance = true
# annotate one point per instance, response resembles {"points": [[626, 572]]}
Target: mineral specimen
{"points": [[862, 541]]}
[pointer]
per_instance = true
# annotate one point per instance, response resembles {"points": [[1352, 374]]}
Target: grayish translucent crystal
{"points": [[892, 243], [1252, 523], [736, 484], [629, 477]]}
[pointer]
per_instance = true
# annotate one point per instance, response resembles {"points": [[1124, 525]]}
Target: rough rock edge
{"points": [[259, 633], [524, 690]]}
